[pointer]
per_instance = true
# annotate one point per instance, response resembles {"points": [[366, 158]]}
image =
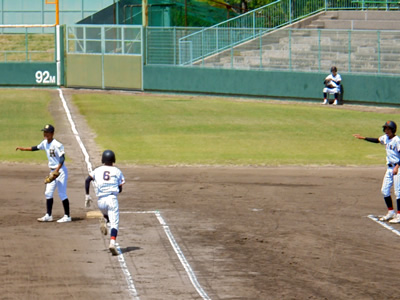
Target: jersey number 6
{"points": [[106, 175]]}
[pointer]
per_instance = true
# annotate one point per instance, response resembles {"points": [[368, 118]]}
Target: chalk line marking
{"points": [[387, 226], [177, 250], [75, 132], [121, 259]]}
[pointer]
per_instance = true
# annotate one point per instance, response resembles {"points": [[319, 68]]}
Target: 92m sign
{"points": [[44, 77]]}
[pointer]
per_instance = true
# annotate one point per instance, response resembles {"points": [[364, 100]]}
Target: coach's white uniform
{"points": [[54, 151], [107, 180], [334, 80], [392, 157]]}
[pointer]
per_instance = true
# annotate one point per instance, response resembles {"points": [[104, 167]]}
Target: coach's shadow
{"points": [[129, 249]]}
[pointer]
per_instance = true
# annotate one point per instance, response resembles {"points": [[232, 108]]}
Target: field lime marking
{"points": [[121, 259]]}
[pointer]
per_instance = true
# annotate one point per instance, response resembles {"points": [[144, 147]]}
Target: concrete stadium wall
{"points": [[370, 89]]}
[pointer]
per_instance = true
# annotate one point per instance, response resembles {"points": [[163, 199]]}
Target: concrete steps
{"points": [[333, 49], [356, 24], [357, 20]]}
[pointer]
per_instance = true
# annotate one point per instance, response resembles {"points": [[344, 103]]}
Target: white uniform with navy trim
{"points": [[54, 151], [107, 180], [392, 157], [334, 81]]}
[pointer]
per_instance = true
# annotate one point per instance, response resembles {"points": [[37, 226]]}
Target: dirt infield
{"points": [[247, 233]]}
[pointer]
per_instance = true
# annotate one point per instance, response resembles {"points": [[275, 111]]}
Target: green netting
{"points": [[168, 13], [199, 14]]}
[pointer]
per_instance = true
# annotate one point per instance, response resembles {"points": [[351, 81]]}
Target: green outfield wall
{"points": [[371, 89], [28, 74]]}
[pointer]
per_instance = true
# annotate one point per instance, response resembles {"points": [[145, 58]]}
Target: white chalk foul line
{"points": [[121, 259], [177, 250], [387, 226], [75, 132], [128, 276]]}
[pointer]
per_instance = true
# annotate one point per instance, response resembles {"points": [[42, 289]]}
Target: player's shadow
{"points": [[129, 249]]}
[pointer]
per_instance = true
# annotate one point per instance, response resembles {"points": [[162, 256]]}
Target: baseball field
{"points": [[226, 198]]}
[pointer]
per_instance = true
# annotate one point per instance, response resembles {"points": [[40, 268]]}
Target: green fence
{"points": [[377, 4], [305, 50], [101, 56], [309, 50], [358, 89], [26, 45], [162, 44], [30, 58]]}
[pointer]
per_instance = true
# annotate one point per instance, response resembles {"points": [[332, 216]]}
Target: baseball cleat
{"points": [[390, 215], [103, 226], [64, 219], [112, 248], [45, 218], [395, 220]]}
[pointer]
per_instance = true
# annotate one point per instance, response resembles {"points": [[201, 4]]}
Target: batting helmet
{"points": [[48, 128], [108, 157], [390, 124]]}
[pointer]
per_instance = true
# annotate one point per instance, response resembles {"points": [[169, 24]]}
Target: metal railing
{"points": [[314, 50], [305, 50], [377, 4], [209, 41], [245, 27], [162, 44]]}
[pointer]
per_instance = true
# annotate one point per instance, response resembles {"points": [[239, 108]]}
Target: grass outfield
{"points": [[22, 114], [15, 47], [170, 130]]}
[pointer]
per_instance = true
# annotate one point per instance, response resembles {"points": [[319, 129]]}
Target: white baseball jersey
{"points": [[392, 157], [334, 79], [54, 151], [107, 180], [392, 148]]}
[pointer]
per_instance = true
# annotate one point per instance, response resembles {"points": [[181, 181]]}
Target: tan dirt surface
{"points": [[247, 232]]}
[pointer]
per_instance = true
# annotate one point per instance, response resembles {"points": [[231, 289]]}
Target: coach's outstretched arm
{"points": [[372, 140], [33, 148]]}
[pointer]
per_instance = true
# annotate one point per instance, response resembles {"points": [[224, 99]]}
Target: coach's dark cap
{"points": [[48, 128]]}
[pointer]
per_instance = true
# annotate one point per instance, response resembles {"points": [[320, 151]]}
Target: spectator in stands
{"points": [[332, 86]]}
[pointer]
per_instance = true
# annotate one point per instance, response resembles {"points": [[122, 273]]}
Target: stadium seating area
{"points": [[358, 41]]}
